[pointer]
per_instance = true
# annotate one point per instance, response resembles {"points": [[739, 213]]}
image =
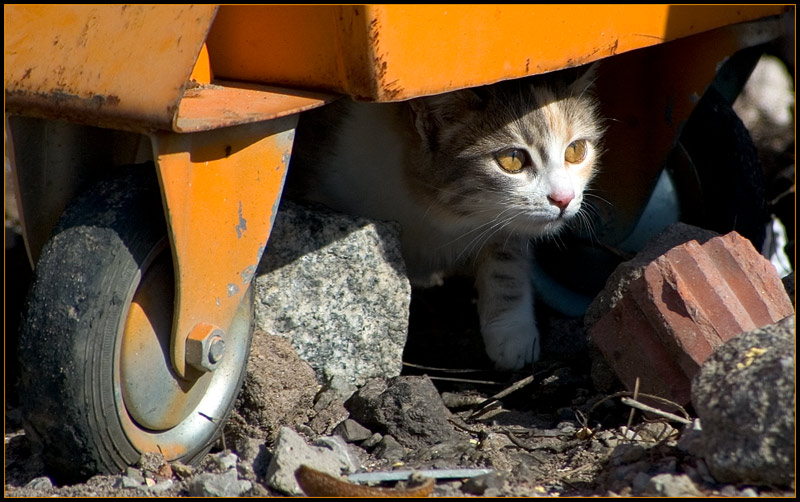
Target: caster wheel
{"points": [[96, 386]]}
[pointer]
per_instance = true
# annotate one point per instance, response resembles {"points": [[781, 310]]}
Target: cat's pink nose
{"points": [[561, 199]]}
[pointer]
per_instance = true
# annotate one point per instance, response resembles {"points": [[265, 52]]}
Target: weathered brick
{"points": [[687, 302]]}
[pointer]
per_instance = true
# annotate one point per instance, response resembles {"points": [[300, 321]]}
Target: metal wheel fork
{"points": [[220, 190]]}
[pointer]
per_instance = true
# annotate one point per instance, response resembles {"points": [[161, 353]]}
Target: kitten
{"points": [[471, 175]]}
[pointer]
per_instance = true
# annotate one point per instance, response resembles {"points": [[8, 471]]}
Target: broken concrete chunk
{"points": [[676, 309]]}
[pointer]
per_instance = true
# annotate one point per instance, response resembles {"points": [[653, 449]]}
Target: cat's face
{"points": [[514, 157]]}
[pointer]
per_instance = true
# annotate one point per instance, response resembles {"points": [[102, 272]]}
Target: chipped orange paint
{"points": [[224, 104], [122, 66], [396, 52], [221, 190]]}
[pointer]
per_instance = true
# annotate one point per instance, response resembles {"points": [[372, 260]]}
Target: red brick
{"points": [[687, 302]]}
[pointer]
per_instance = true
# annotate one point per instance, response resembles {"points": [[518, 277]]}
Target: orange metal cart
{"points": [[207, 99]]}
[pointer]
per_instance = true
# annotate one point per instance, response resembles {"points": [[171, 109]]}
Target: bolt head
{"points": [[205, 347], [216, 350]]}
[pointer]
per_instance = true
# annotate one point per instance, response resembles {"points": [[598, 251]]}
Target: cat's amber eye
{"points": [[512, 160], [575, 152]]}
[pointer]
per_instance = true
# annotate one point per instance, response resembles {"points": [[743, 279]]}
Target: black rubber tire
{"points": [[73, 323], [723, 187]]}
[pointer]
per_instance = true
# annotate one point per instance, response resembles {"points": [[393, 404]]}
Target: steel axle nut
{"points": [[205, 347]]}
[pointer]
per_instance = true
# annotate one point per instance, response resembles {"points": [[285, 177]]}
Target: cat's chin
{"points": [[543, 228]]}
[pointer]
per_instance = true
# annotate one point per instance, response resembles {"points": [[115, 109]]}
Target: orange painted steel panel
{"points": [[223, 104], [221, 190], [122, 66], [201, 73], [396, 52]]}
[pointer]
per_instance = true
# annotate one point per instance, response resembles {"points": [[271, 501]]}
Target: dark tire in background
{"points": [[718, 174]]}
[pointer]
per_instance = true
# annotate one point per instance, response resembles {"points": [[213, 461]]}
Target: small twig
{"points": [[636, 404], [514, 439], [539, 434], [444, 370], [643, 395], [464, 380], [503, 393], [463, 426], [516, 386], [635, 395]]}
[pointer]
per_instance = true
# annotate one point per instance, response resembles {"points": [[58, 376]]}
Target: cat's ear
{"points": [[587, 75], [432, 112]]}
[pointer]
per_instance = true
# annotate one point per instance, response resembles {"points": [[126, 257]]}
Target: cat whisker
{"points": [[584, 218], [490, 229], [481, 231], [588, 193]]}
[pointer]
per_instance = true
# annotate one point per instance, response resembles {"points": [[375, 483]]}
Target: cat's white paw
{"points": [[425, 280], [511, 344]]}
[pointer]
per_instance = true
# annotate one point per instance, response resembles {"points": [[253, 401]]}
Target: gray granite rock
{"points": [[372, 441], [226, 484], [291, 451], [124, 482], [335, 285], [672, 485], [222, 481], [223, 461], [745, 398], [135, 475], [163, 486]]}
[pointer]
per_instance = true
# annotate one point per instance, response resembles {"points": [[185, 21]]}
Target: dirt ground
{"points": [[557, 435]]}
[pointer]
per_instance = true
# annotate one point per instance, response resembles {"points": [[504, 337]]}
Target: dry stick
{"points": [[452, 370], [514, 439], [636, 404], [503, 393], [635, 395], [464, 380], [642, 394], [464, 427], [445, 370]]}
